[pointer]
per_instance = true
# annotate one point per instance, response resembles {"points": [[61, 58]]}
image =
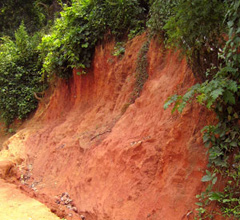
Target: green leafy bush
{"points": [[193, 26], [20, 75], [159, 14], [222, 94], [119, 49], [74, 35], [195, 23]]}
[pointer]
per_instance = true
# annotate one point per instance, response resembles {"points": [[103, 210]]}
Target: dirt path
{"points": [[14, 205]]}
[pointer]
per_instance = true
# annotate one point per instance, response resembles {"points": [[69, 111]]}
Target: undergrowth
{"points": [[206, 32], [119, 49], [20, 75], [73, 37], [220, 92], [28, 60]]}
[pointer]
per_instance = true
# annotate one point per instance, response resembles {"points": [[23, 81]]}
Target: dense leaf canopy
{"points": [[34, 13]]}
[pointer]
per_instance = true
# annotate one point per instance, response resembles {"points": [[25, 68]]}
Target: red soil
{"points": [[142, 163]]}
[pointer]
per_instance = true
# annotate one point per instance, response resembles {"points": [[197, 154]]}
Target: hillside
{"points": [[113, 159], [119, 109]]}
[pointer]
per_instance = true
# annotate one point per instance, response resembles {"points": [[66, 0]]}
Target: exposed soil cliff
{"points": [[114, 160]]}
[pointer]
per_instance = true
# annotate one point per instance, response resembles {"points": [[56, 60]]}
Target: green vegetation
{"points": [[219, 92], [73, 37], [34, 13], [160, 12], [20, 75], [195, 27], [141, 72], [27, 60], [20, 60], [119, 49], [206, 32]]}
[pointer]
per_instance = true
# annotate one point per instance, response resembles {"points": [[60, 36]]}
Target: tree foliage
{"points": [[20, 75], [220, 93], [194, 26], [69, 43], [74, 35], [34, 14], [160, 12], [207, 33]]}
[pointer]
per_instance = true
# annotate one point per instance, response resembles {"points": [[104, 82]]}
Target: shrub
{"points": [[220, 93], [20, 75], [160, 12], [196, 28], [74, 35]]}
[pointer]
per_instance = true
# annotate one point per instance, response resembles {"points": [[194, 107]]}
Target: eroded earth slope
{"points": [[88, 151]]}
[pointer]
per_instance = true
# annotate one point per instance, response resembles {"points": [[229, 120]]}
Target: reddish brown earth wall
{"points": [[144, 163]]}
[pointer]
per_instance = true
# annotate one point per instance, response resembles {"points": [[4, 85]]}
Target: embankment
{"points": [[116, 160]]}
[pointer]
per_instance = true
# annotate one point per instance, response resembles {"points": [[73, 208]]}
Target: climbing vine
{"points": [[141, 71]]}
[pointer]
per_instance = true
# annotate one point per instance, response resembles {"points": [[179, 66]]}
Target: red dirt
{"points": [[142, 163]]}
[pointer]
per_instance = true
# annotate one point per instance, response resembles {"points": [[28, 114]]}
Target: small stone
{"points": [[74, 209]]}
